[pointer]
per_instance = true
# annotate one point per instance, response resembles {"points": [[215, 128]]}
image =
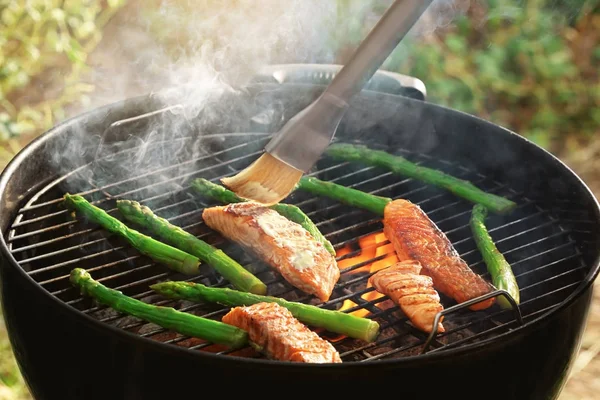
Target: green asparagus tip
{"points": [[77, 277], [480, 209], [163, 288], [70, 200], [78, 274], [124, 207], [259, 288], [507, 207], [372, 331]]}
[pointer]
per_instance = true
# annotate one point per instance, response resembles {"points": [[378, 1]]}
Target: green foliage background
{"points": [[44, 43], [530, 65]]}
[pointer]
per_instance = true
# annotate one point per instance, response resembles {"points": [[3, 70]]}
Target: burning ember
{"points": [[373, 246]]}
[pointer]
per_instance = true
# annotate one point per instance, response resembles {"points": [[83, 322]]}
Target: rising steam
{"points": [[205, 50]]}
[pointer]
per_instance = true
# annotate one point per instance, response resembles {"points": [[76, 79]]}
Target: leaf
{"points": [[116, 3], [456, 43], [85, 30], [58, 14]]}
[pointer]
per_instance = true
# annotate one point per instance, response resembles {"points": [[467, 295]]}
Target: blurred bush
{"points": [[44, 46], [12, 386], [531, 65]]}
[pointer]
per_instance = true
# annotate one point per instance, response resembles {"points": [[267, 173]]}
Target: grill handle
{"points": [[322, 74], [499, 292]]}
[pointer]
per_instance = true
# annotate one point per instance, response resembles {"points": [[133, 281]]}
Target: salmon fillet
{"points": [[285, 245], [278, 334], [414, 293], [416, 237]]}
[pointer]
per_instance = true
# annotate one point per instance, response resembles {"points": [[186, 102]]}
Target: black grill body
{"points": [[66, 354]]}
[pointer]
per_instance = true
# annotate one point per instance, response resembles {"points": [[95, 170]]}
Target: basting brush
{"points": [[300, 143]]}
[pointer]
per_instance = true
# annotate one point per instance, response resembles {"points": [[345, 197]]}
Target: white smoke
{"points": [[209, 43], [205, 49]]}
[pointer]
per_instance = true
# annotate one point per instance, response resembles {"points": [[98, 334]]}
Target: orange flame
{"points": [[371, 246]]}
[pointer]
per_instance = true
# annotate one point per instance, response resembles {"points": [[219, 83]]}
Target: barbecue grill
{"points": [[149, 148]]}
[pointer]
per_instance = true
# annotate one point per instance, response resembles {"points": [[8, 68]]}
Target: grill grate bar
{"points": [[550, 264], [152, 185], [343, 271], [57, 226], [276, 279], [377, 314], [557, 276], [89, 256], [135, 296], [465, 326], [52, 241], [160, 276], [25, 222], [466, 225], [505, 325], [185, 309], [547, 255], [186, 227], [30, 206], [92, 269], [383, 188], [76, 260], [147, 174], [44, 230], [333, 220], [510, 237], [355, 294], [38, 219], [353, 227], [562, 246], [14, 238], [53, 253], [402, 320]]}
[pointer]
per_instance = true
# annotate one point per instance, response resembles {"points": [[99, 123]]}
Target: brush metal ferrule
{"points": [[306, 136]]}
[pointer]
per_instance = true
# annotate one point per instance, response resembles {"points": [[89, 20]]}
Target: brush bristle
{"points": [[267, 180]]}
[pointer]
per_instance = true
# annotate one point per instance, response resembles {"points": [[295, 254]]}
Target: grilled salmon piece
{"points": [[416, 237], [278, 334], [285, 245], [414, 293]]}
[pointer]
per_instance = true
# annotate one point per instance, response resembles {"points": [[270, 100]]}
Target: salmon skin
{"points": [[414, 293], [416, 237], [279, 335], [285, 245]]}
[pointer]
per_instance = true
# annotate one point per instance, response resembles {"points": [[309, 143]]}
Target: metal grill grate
{"points": [[48, 243]]}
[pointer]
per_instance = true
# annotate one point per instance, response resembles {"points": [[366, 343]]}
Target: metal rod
{"points": [[554, 249], [147, 174], [500, 292]]}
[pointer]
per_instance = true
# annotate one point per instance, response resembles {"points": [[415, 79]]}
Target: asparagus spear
{"points": [[401, 166], [344, 194], [160, 252], [334, 321], [291, 212], [226, 266], [167, 317], [499, 269]]}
